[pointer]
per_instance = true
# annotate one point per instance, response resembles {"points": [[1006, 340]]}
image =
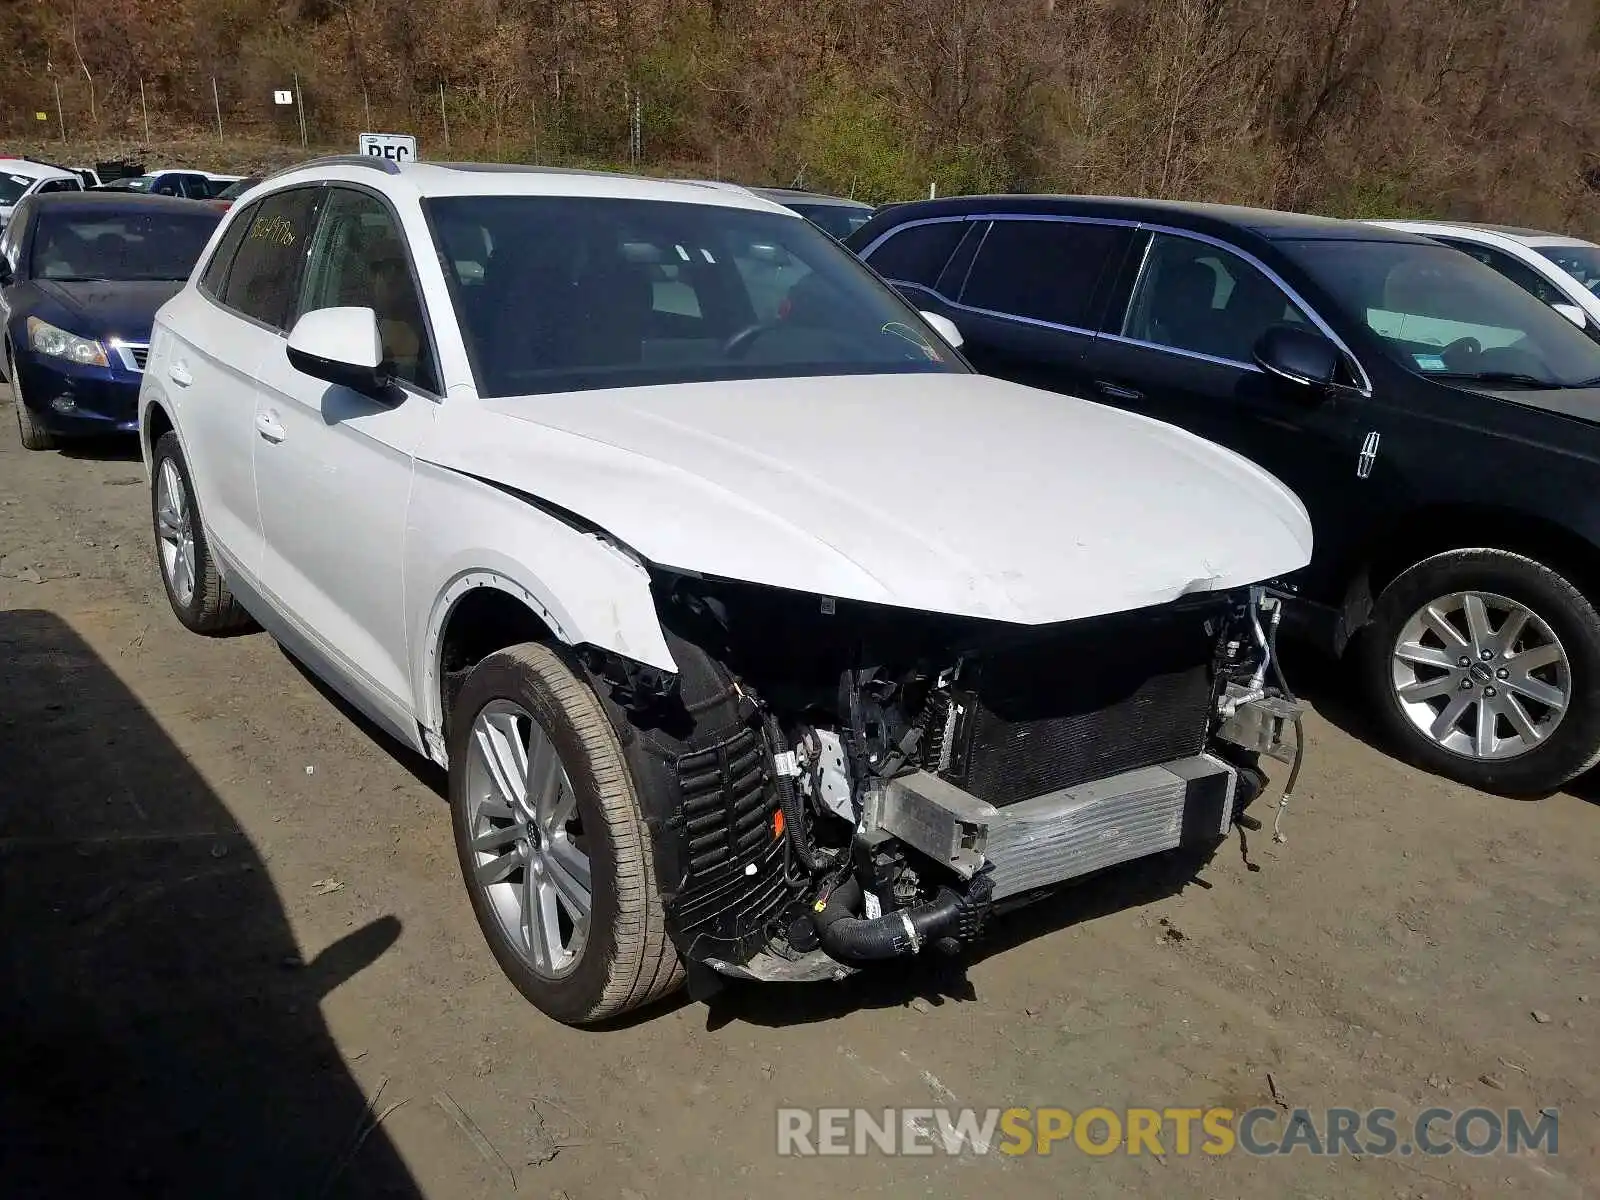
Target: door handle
{"points": [[267, 426], [178, 372], [1117, 392]]}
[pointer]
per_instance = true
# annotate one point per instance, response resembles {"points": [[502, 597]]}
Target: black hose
{"points": [[794, 816], [849, 938]]}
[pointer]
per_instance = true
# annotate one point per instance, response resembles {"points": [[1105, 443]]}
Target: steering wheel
{"points": [[1465, 349], [739, 343]]}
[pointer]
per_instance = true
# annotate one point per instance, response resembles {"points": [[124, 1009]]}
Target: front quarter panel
{"points": [[465, 534]]}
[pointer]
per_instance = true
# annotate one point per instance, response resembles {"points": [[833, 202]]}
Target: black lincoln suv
{"points": [[1441, 426]]}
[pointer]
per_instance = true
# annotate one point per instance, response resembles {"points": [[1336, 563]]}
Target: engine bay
{"points": [[874, 781]]}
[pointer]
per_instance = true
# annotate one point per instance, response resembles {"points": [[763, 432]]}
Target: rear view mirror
{"points": [[945, 328], [342, 346], [1572, 313], [1301, 356], [766, 252]]}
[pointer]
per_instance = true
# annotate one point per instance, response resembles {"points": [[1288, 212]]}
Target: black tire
{"points": [[34, 436], [211, 609], [628, 960], [1573, 746]]}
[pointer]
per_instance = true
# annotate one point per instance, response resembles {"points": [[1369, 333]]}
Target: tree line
{"points": [[1469, 108]]}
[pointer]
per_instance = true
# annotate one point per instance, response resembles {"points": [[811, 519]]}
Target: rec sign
{"points": [[399, 147]]}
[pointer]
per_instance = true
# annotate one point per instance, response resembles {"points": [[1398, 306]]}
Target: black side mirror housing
{"points": [[375, 383], [1301, 356]]}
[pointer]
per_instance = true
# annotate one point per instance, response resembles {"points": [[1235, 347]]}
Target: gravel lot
{"points": [[233, 926]]}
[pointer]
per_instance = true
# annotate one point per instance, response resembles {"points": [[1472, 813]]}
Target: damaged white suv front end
{"points": [[760, 636]]}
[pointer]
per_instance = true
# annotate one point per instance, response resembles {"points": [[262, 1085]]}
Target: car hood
{"points": [[956, 494], [108, 308], [1582, 403]]}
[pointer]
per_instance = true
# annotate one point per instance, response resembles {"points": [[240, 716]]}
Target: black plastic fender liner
{"points": [[701, 767], [849, 938]]}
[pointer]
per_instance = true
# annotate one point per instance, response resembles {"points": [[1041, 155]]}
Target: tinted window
{"points": [[93, 243], [1046, 270], [236, 189], [11, 241], [359, 260], [12, 187], [841, 220], [1437, 311], [265, 278], [917, 253], [214, 281], [1194, 296], [587, 293], [59, 185], [1524, 276], [1581, 262]]}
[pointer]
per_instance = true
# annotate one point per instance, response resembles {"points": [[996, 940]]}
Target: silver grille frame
{"points": [[132, 355]]}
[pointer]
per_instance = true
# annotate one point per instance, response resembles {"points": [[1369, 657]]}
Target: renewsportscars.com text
{"points": [[1260, 1132]]}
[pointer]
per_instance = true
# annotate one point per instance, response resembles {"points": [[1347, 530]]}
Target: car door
{"points": [[1177, 343], [1027, 304], [205, 357], [333, 467]]}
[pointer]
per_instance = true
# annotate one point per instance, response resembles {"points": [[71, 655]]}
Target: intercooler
{"points": [[1076, 704]]}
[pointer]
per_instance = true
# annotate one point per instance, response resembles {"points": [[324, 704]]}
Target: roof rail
{"points": [[387, 166]]}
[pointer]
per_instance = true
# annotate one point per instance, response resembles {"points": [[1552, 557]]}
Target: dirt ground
{"points": [[232, 926]]}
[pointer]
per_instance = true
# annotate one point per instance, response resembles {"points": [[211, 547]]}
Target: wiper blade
{"points": [[1518, 378]]}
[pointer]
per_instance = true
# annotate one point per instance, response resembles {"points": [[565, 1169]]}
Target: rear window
{"points": [[840, 220], [917, 253], [91, 244], [1043, 270]]}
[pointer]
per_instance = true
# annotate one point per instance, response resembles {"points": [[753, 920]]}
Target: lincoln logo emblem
{"points": [[1368, 455]]}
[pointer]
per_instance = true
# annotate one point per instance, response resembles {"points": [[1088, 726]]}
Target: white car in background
{"points": [[759, 636], [1563, 272], [21, 177]]}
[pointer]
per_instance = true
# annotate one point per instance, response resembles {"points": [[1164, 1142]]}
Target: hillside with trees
{"points": [[1473, 108]]}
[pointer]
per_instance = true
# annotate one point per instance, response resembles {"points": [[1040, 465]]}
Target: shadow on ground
{"points": [[943, 981], [161, 1037], [120, 448]]}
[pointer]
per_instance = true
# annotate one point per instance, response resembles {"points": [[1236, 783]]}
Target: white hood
{"points": [[949, 493]]}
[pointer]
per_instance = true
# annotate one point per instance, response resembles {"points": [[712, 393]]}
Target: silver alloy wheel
{"points": [[1481, 675], [175, 531], [526, 839]]}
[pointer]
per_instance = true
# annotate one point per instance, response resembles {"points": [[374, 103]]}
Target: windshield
{"points": [[1581, 262], [841, 220], [236, 189], [137, 183], [1443, 313], [127, 246], [567, 293], [12, 187]]}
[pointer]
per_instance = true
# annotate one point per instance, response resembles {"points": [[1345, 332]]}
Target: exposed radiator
{"points": [[1095, 699]]}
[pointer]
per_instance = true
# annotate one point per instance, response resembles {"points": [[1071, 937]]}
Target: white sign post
{"points": [[284, 98], [397, 147]]}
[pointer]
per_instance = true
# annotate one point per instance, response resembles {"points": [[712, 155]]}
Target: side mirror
{"points": [[342, 346], [1572, 313], [6, 276], [1300, 356], [945, 328]]}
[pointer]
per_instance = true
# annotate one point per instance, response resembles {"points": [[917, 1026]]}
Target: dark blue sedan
{"points": [[81, 277]]}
